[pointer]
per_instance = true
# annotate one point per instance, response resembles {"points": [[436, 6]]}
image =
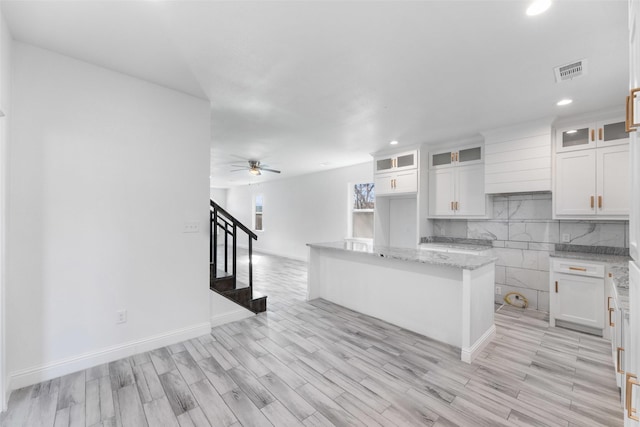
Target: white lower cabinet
{"points": [[405, 182], [577, 297]]}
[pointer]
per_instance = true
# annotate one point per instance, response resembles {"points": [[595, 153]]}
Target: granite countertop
{"points": [[597, 257], [620, 277], [463, 246], [447, 259]]}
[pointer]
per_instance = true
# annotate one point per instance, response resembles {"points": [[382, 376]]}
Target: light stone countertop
{"points": [[425, 256], [584, 256], [463, 246]]}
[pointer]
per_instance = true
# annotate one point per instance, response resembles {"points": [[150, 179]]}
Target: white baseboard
{"points": [[232, 316], [469, 353], [72, 364]]}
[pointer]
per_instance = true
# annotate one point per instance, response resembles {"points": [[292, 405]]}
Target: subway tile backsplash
{"points": [[523, 233]]}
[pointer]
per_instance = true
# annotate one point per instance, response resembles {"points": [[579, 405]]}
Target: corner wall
{"points": [[300, 210], [6, 44], [105, 170]]}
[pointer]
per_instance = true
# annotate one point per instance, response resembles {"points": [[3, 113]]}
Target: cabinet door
{"points": [[384, 164], [611, 132], [632, 345], [578, 137], [470, 191], [441, 192], [575, 183], [406, 182], [469, 155], [407, 160], [440, 160], [612, 172], [383, 184], [634, 204], [580, 300]]}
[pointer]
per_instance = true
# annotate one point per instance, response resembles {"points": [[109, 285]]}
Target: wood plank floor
{"points": [[319, 364]]}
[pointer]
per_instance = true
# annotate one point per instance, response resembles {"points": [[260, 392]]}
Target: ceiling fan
{"points": [[254, 168]]}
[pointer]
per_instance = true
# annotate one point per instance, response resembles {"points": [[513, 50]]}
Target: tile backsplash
{"points": [[523, 234]]}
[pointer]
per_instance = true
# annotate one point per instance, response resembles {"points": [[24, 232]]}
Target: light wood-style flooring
{"points": [[319, 364]]}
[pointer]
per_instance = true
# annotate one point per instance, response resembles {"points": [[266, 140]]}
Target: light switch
{"points": [[191, 227]]}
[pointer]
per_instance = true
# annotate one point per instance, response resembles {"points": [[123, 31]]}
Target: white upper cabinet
{"points": [[458, 157], [456, 183], [591, 135], [396, 162], [591, 183], [401, 182]]}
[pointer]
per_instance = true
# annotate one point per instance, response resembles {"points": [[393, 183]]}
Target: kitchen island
{"points": [[446, 296]]}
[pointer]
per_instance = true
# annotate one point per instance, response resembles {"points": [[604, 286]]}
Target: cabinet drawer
{"points": [[578, 268]]}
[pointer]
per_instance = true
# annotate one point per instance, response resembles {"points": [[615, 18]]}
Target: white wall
{"points": [[5, 107], [105, 170], [300, 210], [219, 195]]}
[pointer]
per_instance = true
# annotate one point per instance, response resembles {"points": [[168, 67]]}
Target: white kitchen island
{"points": [[442, 295]]}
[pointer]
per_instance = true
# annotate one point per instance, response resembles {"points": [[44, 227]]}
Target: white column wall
{"points": [[105, 170]]}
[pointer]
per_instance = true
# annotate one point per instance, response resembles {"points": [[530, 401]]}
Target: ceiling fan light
{"points": [[255, 171]]}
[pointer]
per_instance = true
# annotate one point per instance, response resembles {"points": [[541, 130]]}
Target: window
{"points": [[362, 211], [257, 217]]}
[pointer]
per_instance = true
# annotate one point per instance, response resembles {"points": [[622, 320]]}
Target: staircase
{"points": [[223, 272]]}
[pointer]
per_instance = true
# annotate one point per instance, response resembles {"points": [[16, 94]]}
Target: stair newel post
{"points": [[250, 265], [226, 247], [213, 254], [234, 255]]}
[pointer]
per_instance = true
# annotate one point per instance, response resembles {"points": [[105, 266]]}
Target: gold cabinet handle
{"points": [[619, 351], [628, 122], [578, 268], [609, 303], [453, 157], [599, 202], [593, 134], [556, 286], [632, 97], [452, 206], [592, 202], [631, 411], [457, 206], [600, 132], [611, 323]]}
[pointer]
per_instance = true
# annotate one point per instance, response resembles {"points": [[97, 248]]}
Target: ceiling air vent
{"points": [[570, 71]]}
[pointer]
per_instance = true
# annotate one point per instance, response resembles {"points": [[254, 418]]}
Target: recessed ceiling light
{"points": [[394, 143], [538, 7], [572, 131], [564, 102]]}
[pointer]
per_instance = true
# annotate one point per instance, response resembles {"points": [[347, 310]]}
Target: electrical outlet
{"points": [[498, 290], [191, 227], [121, 316], [566, 238]]}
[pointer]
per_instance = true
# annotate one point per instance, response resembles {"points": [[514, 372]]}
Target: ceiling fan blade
{"points": [[270, 170], [239, 166], [239, 170]]}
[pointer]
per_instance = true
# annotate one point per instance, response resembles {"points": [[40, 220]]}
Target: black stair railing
{"points": [[221, 219]]}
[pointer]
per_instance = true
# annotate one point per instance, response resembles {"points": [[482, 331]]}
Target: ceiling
{"points": [[310, 85]]}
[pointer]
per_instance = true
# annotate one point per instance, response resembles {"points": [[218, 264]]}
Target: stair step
{"points": [[258, 305], [223, 284]]}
